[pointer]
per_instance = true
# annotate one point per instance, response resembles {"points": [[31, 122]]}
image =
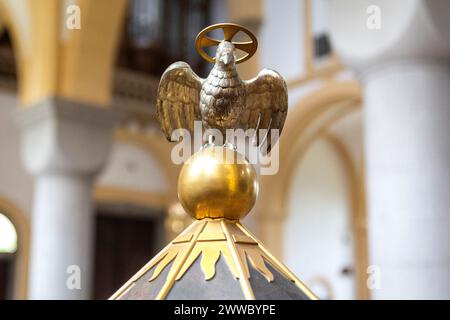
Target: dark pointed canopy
{"points": [[214, 259]]}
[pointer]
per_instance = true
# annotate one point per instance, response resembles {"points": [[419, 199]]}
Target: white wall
{"points": [[134, 168], [15, 183], [317, 235], [349, 131], [281, 40]]}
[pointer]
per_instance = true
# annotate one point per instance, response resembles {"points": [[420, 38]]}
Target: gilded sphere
{"points": [[217, 182]]}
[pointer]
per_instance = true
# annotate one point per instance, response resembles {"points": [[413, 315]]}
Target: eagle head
{"points": [[225, 55]]}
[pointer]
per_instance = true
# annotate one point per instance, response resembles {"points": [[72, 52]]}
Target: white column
{"points": [[63, 145], [405, 72]]}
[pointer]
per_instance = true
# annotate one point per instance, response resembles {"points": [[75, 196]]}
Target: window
{"points": [[8, 248], [8, 235], [160, 32]]}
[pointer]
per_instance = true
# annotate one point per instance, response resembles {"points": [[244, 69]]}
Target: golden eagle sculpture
{"points": [[217, 257], [223, 100]]}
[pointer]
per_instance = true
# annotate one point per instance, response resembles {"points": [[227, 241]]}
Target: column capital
{"points": [[408, 30], [59, 135]]}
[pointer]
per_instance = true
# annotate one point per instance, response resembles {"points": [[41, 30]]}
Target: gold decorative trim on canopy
{"points": [[211, 238]]}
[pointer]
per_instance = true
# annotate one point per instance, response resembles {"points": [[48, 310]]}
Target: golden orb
{"points": [[217, 182]]}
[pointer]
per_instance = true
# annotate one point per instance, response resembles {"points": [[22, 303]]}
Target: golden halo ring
{"points": [[229, 31]]}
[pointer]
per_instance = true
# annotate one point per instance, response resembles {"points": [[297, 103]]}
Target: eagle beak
{"points": [[226, 58]]}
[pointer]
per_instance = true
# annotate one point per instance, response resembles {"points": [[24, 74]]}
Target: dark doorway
{"points": [[124, 243], [6, 275]]}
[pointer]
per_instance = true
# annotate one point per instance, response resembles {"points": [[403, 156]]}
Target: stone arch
{"points": [[55, 61], [307, 121], [15, 18], [311, 116]]}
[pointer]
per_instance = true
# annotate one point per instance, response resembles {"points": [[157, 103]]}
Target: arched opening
{"points": [[318, 236], [314, 119], [8, 249], [305, 121]]}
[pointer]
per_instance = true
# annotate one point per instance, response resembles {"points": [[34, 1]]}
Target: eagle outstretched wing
{"points": [[266, 105], [178, 101]]}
